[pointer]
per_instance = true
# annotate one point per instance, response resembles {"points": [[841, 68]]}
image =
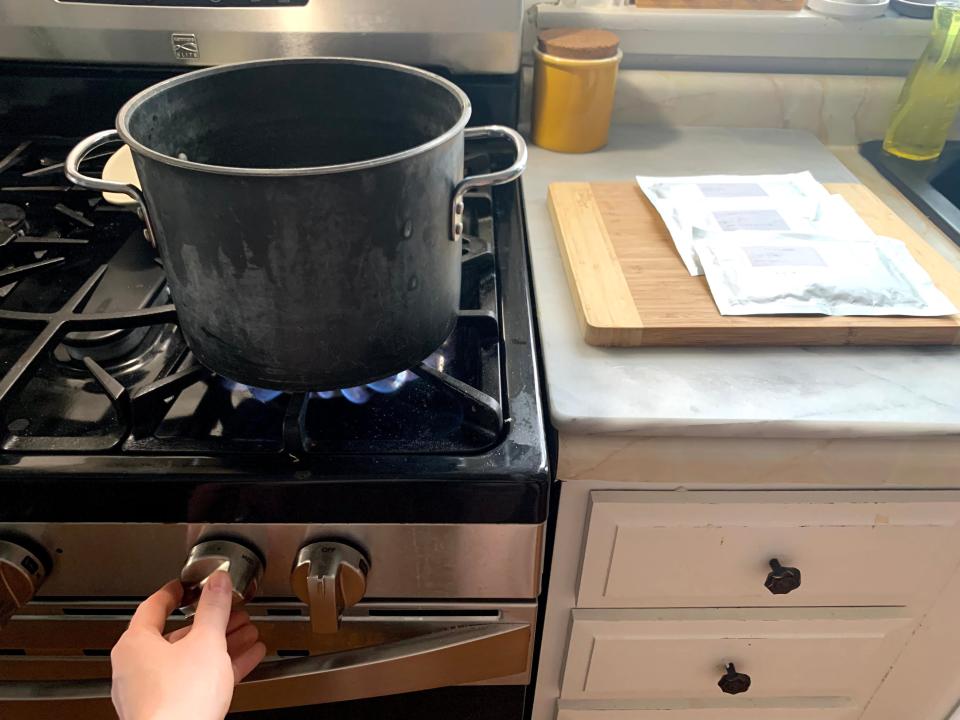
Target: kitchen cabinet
{"points": [[716, 549], [669, 595], [687, 654], [684, 472]]}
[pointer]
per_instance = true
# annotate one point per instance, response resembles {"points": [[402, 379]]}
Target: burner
{"points": [[133, 281], [358, 395], [13, 216], [363, 393]]}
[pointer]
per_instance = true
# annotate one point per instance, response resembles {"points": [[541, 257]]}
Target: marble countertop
{"points": [[728, 392]]}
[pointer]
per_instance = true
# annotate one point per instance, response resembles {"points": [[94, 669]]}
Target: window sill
{"points": [[745, 41]]}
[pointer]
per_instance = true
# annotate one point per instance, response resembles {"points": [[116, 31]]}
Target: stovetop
{"points": [[133, 386], [96, 380]]}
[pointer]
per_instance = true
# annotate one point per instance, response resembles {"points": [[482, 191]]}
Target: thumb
{"points": [[216, 600]]}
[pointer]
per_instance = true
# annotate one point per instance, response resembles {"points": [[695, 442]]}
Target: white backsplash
{"points": [[838, 109]]}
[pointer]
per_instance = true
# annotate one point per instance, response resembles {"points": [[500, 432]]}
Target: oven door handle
{"points": [[466, 654]]}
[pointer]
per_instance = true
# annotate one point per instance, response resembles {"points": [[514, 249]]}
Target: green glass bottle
{"points": [[930, 98]]}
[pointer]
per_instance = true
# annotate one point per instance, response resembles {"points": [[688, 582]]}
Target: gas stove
{"points": [[115, 440], [125, 462], [92, 363], [106, 369]]}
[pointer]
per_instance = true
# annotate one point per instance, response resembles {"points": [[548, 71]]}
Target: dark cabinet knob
{"points": [[733, 682], [782, 580]]}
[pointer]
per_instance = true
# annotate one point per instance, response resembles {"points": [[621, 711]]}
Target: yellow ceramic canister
{"points": [[575, 78]]}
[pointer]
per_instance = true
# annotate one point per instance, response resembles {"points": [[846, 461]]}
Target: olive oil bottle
{"points": [[930, 98]]}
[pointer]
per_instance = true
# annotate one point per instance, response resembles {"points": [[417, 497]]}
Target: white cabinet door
{"points": [[683, 654], [714, 549]]}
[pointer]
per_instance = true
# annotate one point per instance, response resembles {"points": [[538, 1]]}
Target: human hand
{"points": [[189, 673]]}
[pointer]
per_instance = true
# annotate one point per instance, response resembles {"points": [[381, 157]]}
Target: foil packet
{"points": [[696, 207], [810, 274]]}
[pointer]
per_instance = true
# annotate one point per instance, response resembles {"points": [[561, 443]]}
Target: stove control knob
{"points": [[21, 575], [330, 577], [243, 564]]}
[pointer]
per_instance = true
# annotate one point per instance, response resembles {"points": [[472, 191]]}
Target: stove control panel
{"points": [[21, 575], [330, 577], [241, 562]]}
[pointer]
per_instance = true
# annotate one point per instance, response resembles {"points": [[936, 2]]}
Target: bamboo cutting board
{"points": [[630, 287]]}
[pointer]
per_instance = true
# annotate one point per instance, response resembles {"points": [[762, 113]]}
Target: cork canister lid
{"points": [[578, 43]]}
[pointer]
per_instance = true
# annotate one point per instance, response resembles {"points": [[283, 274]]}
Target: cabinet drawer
{"points": [[714, 549], [682, 654], [734, 710]]}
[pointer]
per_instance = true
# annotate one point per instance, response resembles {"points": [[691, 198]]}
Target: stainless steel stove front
{"points": [[445, 605], [464, 36], [408, 561]]}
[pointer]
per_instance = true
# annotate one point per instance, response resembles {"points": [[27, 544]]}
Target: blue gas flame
{"points": [[357, 395]]}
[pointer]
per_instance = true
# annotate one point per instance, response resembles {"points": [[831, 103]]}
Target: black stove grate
{"points": [[100, 367], [53, 327]]}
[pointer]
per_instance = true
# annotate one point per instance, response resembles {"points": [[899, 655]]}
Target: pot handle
{"points": [[71, 168], [499, 177]]}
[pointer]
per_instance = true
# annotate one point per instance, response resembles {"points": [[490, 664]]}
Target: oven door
{"points": [[54, 658]]}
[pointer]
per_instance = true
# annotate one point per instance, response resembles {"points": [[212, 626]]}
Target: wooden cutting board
{"points": [[631, 288]]}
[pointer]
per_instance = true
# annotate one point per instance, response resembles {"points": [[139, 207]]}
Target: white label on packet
{"points": [[733, 220], [783, 256], [706, 205], [732, 190]]}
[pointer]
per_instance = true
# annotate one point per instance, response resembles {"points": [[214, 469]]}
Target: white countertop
{"points": [[726, 392]]}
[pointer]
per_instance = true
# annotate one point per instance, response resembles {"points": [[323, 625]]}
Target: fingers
{"points": [[178, 634], [241, 640], [238, 618], [153, 612], [247, 661], [216, 600]]}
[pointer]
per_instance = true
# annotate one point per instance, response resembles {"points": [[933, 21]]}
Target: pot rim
{"points": [[123, 119]]}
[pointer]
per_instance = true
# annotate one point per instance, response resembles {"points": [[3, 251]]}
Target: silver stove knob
{"points": [[21, 575], [330, 577], [240, 562]]}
